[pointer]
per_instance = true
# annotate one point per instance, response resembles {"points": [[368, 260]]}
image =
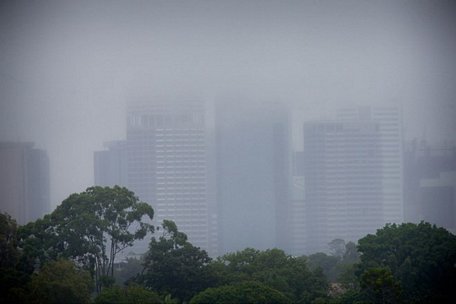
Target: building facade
{"points": [[343, 185], [110, 165], [389, 120], [430, 184], [351, 169], [164, 161], [252, 156], [24, 182]]}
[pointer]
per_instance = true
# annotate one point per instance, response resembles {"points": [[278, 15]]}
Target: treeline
{"points": [[68, 257]]}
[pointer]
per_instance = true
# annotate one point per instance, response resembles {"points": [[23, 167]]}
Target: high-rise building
{"points": [[110, 165], [297, 206], [164, 161], [343, 185], [389, 120], [24, 182], [430, 184], [352, 176], [252, 143]]}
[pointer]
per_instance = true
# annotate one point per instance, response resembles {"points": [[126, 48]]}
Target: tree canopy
{"points": [[91, 228], [172, 265], [420, 257], [245, 292], [59, 282], [130, 294], [289, 275]]}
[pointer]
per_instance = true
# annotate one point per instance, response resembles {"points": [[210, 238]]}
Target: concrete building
{"points": [[297, 206], [252, 143], [24, 182], [343, 183], [110, 165], [164, 161], [430, 184], [352, 176], [389, 120]]}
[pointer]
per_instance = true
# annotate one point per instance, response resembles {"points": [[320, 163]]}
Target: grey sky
{"points": [[67, 68]]}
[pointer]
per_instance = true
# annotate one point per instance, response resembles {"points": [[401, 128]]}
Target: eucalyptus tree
{"points": [[91, 228], [173, 266]]}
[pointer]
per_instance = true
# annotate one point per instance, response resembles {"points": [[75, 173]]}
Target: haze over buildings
{"points": [[69, 68], [252, 172], [352, 177], [164, 160], [430, 184], [24, 181]]}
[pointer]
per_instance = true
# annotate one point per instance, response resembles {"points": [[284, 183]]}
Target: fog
{"points": [[68, 69]]}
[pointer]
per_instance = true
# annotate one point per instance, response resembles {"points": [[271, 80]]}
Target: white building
{"points": [[352, 177], [389, 120], [166, 165]]}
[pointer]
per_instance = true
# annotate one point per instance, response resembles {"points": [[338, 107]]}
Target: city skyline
{"points": [[351, 168], [165, 161], [68, 68]]}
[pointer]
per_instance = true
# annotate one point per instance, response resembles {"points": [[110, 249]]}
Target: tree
{"points": [[337, 248], [351, 254], [8, 242], [174, 266], [275, 269], [127, 270], [91, 228], [60, 282], [246, 292], [379, 286], [11, 278], [329, 264], [124, 295], [421, 257]]}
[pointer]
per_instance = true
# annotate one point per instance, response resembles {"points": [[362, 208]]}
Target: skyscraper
{"points": [[343, 185], [24, 182], [164, 161], [352, 176], [110, 165], [389, 120], [252, 158], [430, 184]]}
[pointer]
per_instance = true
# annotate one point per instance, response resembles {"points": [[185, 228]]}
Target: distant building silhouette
{"points": [[164, 161], [430, 184], [297, 206], [389, 119], [351, 174], [110, 165], [24, 181], [252, 143]]}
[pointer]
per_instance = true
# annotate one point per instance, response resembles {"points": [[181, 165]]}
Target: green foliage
{"points": [[8, 242], [126, 295], [128, 269], [343, 256], [174, 266], [337, 248], [421, 258], [60, 282], [351, 254], [91, 228], [246, 292], [379, 286], [328, 264], [12, 279], [347, 277], [272, 268]]}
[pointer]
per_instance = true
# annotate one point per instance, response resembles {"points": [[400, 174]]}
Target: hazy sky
{"points": [[68, 68]]}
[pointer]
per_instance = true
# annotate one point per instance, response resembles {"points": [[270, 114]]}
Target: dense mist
{"points": [[70, 69]]}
